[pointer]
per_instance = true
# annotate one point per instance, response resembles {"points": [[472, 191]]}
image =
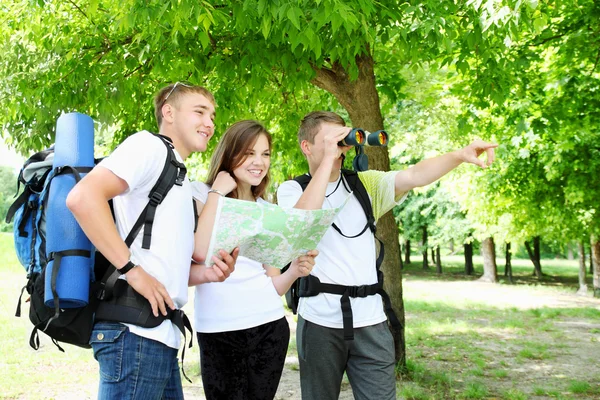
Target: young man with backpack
{"points": [[342, 322], [137, 362]]}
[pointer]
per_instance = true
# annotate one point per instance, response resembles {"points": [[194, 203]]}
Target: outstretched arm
{"points": [[432, 169]]}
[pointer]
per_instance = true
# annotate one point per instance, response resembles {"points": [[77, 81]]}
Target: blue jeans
{"points": [[134, 367]]}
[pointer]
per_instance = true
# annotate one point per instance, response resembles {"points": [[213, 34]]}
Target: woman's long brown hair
{"points": [[231, 153]]}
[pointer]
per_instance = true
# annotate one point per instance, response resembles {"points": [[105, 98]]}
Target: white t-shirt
{"points": [[344, 261], [247, 298], [139, 161]]}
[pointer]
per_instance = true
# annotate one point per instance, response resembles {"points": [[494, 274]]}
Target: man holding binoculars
{"points": [[341, 319]]}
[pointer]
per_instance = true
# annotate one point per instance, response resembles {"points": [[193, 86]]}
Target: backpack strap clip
{"points": [[156, 198]]}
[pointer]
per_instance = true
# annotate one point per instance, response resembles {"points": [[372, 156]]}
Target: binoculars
{"points": [[360, 137]]}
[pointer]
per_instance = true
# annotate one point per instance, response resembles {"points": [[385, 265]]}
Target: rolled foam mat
{"points": [[74, 147]]}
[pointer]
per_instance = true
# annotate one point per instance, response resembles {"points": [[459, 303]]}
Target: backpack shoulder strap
{"points": [[303, 180], [361, 195], [173, 173], [363, 198]]}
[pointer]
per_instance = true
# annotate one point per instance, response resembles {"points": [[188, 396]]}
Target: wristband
{"points": [[217, 192], [126, 268]]}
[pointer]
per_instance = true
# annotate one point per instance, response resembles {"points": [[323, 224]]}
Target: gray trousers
{"points": [[324, 356]]}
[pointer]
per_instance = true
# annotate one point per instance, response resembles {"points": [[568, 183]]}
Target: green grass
{"points": [[480, 344], [475, 390], [21, 367], [558, 273], [499, 373], [515, 394], [579, 387], [456, 347]]}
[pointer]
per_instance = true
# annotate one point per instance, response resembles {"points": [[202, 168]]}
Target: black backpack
{"points": [[110, 298], [311, 285]]}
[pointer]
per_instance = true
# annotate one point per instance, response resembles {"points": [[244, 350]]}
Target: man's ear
{"points": [[305, 147], [167, 112]]}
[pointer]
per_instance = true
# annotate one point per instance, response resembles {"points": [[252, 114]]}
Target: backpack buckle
{"points": [[180, 177], [156, 198], [357, 291]]}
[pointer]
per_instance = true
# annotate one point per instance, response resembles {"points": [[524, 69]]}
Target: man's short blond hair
{"points": [[173, 93], [309, 127]]}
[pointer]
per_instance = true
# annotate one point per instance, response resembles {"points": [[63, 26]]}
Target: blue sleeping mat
{"points": [[74, 147]]}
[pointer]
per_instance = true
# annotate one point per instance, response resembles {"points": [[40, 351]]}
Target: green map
{"points": [[267, 233]]}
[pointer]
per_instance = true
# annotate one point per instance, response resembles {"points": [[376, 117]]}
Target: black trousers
{"points": [[245, 364]]}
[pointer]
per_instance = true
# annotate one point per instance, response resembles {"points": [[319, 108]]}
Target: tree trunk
{"points": [[451, 246], [595, 251], [591, 262], [400, 263], [508, 265], [582, 284], [425, 262], [407, 252], [468, 258], [360, 98], [570, 255], [536, 252], [490, 270], [438, 260], [433, 259], [537, 268]]}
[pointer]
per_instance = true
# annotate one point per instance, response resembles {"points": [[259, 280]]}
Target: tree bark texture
{"points": [[537, 268], [490, 270], [360, 98], [536, 252], [582, 270], [591, 262], [468, 258], [425, 262], [400, 262], [438, 260], [508, 265], [570, 255], [595, 251]]}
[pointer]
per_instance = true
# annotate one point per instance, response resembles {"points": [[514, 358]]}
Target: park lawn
{"points": [[464, 340], [471, 340]]}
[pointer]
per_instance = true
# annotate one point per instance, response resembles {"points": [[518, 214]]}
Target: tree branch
{"points": [[88, 18]]}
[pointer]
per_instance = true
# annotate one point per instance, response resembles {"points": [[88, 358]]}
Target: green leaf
{"points": [[204, 39], [262, 5], [266, 26], [293, 15]]}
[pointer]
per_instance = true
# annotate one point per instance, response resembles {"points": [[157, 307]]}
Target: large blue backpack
{"points": [[29, 227], [110, 298]]}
